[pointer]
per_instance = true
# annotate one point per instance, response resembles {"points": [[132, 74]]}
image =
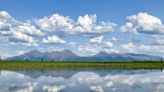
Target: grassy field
{"points": [[13, 65]]}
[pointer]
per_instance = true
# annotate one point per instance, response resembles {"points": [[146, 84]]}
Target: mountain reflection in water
{"points": [[86, 80]]}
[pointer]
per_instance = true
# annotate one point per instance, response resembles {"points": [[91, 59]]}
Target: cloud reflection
{"points": [[11, 81]]}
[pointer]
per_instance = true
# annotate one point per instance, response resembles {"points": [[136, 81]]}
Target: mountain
{"points": [[36, 55], [67, 55]]}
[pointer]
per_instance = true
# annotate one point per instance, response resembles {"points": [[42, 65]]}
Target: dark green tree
{"points": [[27, 60], [132, 60], [42, 59]]}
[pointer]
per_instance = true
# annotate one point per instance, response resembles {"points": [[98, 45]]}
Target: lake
{"points": [[83, 80]]}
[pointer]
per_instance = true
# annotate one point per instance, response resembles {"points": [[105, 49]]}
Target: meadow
{"points": [[22, 65]]}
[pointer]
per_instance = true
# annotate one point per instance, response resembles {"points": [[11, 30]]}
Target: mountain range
{"points": [[67, 55]]}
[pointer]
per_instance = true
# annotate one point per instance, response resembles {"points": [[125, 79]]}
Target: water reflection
{"points": [[87, 80], [69, 73]]}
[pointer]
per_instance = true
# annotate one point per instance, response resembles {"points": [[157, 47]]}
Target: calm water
{"points": [[85, 80]]}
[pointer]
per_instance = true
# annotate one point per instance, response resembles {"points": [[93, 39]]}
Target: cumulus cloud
{"points": [[6, 21], [53, 39], [34, 33], [96, 45], [28, 29], [133, 48], [85, 24], [114, 39], [88, 25], [141, 48], [128, 27], [89, 49], [72, 44], [143, 23], [55, 22], [23, 33], [4, 26], [97, 39], [17, 31], [5, 18], [159, 40], [87, 21], [53, 88], [19, 37], [130, 47], [109, 43]]}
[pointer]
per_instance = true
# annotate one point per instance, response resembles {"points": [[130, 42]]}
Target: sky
{"points": [[85, 27]]}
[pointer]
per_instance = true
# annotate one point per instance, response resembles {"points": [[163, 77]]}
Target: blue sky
{"points": [[82, 26]]}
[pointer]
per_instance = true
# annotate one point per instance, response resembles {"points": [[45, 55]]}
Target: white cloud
{"points": [[87, 21], [112, 50], [17, 31], [143, 23], [4, 26], [72, 44], [6, 21], [28, 29], [55, 22], [129, 47], [7, 54], [102, 42], [114, 39], [6, 18], [18, 37], [159, 40], [32, 33], [53, 39], [128, 27], [85, 24], [53, 88], [97, 40], [141, 48], [89, 49], [109, 43]]}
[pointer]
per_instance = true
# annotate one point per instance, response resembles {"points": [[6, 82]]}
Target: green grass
{"points": [[17, 65]]}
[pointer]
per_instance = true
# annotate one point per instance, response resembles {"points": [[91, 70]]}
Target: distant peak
{"points": [[102, 53], [63, 52], [67, 51], [35, 51]]}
